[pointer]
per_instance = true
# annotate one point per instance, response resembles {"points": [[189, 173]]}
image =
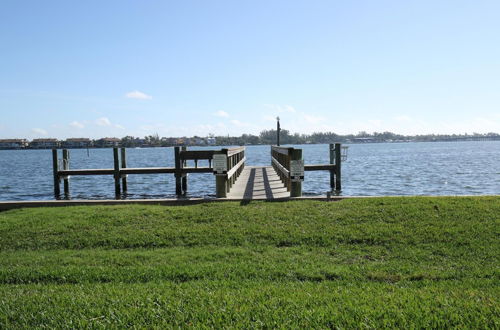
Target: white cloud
{"points": [[103, 121], [221, 113], [76, 124], [39, 131], [403, 118], [281, 108], [138, 95], [238, 123], [269, 118], [311, 119]]}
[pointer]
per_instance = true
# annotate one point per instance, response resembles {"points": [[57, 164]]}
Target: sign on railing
{"points": [[297, 170], [220, 164]]}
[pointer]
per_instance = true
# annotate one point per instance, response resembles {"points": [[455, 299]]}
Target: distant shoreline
{"points": [[471, 139]]}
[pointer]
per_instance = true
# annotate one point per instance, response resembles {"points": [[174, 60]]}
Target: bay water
{"points": [[371, 169]]}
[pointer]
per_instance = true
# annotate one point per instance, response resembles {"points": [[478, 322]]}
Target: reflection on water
{"points": [[439, 168]]}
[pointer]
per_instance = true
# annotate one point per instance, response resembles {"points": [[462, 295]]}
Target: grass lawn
{"points": [[358, 263]]}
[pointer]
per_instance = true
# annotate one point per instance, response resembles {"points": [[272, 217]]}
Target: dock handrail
{"points": [[235, 162], [281, 160]]}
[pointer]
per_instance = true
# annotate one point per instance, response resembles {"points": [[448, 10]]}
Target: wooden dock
{"points": [[258, 182], [233, 180]]}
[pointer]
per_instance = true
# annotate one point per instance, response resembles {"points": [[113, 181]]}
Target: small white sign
{"points": [[220, 163], [296, 168]]}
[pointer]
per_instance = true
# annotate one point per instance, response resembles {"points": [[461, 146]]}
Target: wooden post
{"points": [[66, 167], [55, 170], [338, 158], [332, 171], [178, 171], [221, 185], [116, 172], [229, 166], [184, 175], [124, 165], [296, 187]]}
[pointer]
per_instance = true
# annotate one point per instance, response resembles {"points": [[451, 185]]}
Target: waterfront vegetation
{"points": [[266, 137], [412, 262]]}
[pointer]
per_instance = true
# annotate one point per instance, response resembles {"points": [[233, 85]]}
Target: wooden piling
{"points": [[178, 169], [65, 153], [221, 182], [116, 173], [55, 170], [220, 186], [295, 187], [184, 175], [124, 165], [332, 171], [338, 159]]}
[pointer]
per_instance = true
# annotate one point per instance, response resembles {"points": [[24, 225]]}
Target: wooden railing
{"points": [[282, 159], [120, 171], [285, 162], [226, 176]]}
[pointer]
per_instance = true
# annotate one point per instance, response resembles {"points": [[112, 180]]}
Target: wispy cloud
{"points": [[76, 124], [238, 123], [138, 95], [269, 118], [311, 119], [403, 118], [281, 108], [103, 121], [221, 113], [39, 131]]}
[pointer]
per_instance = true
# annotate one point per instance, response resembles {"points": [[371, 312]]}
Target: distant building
{"points": [[77, 143], [107, 142], [198, 141], [44, 143], [140, 142], [13, 143], [168, 141], [364, 140]]}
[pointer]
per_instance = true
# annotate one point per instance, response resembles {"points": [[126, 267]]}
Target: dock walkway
{"points": [[258, 182]]}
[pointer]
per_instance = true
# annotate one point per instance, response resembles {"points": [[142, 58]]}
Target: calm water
{"points": [[448, 168]]}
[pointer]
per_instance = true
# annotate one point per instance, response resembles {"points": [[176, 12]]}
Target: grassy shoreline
{"points": [[377, 262]]}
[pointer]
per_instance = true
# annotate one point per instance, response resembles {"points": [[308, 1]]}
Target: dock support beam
{"points": [[295, 186], [221, 181], [116, 160], [124, 165], [184, 177], [338, 160], [332, 161], [55, 170], [221, 186], [178, 171], [66, 178]]}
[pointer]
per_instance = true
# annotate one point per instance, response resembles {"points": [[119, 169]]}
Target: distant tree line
{"points": [[267, 137]]}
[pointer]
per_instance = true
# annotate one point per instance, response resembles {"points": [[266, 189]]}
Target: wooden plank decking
{"points": [[258, 182]]}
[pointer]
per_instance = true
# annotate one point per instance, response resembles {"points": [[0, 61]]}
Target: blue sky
{"points": [[176, 68]]}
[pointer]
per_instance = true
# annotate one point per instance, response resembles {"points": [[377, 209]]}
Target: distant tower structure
{"points": [[278, 129]]}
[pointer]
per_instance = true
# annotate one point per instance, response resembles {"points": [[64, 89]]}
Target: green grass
{"points": [[357, 263]]}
